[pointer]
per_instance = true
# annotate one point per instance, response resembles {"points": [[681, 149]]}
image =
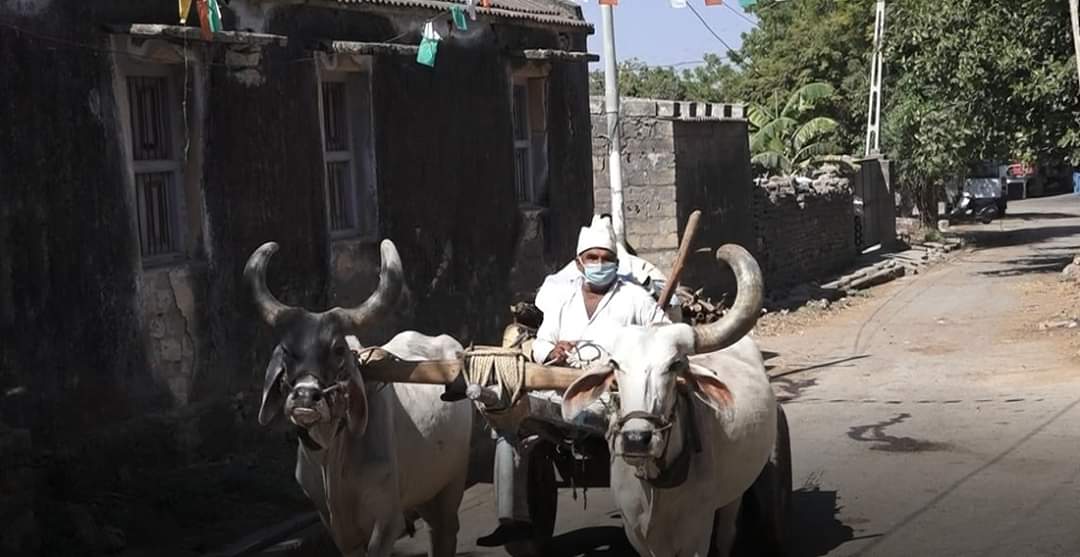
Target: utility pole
{"points": [[611, 109], [873, 116], [1074, 7]]}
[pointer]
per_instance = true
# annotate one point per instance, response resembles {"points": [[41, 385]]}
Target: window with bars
{"points": [[530, 138], [155, 166], [349, 157]]}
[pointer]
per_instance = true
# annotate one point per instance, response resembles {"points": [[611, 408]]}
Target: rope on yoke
{"points": [[500, 366]]}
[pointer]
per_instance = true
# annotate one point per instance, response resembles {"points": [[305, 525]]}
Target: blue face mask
{"points": [[600, 274]]}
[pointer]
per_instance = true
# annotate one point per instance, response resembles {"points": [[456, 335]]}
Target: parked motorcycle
{"points": [[972, 209]]}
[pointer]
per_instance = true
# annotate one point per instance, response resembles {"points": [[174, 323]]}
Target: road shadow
{"points": [[994, 237], [589, 542], [815, 529], [1039, 216], [1037, 264]]}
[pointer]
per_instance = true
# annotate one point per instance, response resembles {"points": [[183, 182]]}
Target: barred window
{"points": [[155, 166], [349, 156], [529, 119]]}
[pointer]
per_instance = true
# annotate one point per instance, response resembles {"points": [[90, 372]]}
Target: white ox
{"points": [[681, 464], [366, 451]]}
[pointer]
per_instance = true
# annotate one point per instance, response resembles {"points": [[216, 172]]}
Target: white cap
{"points": [[599, 235]]}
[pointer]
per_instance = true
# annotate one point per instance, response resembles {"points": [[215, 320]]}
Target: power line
{"points": [[709, 28], [742, 15]]}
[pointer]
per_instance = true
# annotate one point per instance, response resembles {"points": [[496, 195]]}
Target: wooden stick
{"points": [[444, 372], [680, 259]]}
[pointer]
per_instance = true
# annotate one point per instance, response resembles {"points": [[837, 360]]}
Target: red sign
{"points": [[1020, 170]]}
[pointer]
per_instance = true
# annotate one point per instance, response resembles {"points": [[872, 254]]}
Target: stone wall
{"points": [[804, 229], [678, 157]]}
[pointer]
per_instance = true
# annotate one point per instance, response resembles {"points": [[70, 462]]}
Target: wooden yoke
{"points": [[379, 365]]}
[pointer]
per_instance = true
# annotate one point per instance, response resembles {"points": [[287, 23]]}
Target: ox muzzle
{"points": [[308, 403]]}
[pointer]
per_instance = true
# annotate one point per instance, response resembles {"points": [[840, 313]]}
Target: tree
{"points": [[708, 82], [810, 41], [792, 138], [978, 80]]}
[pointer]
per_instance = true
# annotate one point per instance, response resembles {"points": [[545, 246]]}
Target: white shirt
{"points": [[566, 319]]}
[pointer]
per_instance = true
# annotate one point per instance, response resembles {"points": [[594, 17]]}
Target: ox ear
{"points": [[357, 405], [586, 390], [710, 390], [272, 397]]}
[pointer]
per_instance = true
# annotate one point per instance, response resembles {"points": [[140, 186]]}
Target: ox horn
{"points": [[746, 309], [269, 307], [385, 296]]}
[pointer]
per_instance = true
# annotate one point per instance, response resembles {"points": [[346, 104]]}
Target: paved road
{"points": [[928, 421]]}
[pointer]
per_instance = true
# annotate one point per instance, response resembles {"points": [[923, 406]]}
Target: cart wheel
{"points": [[543, 498]]}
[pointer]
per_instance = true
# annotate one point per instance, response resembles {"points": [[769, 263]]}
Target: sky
{"points": [[653, 31]]}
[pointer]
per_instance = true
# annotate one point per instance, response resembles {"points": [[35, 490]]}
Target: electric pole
{"points": [[873, 116], [611, 109], [1074, 7]]}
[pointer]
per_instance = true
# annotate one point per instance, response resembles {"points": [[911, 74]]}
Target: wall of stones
{"points": [[804, 231], [677, 156]]}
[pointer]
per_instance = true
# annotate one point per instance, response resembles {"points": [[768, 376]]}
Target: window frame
{"points": [[355, 73], [527, 75], [134, 65]]}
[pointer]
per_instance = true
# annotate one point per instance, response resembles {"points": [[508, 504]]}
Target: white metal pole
{"points": [[873, 116], [1074, 7], [611, 109]]}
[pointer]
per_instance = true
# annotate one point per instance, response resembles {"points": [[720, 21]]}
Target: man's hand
{"points": [[558, 354]]}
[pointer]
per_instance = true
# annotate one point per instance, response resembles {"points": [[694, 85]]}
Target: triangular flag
{"points": [[747, 3], [678, 3], [215, 16], [459, 18], [185, 9], [609, 2], [714, 2], [470, 5], [204, 18], [485, 3]]}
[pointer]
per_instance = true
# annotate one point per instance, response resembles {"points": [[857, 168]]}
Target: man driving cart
{"points": [[583, 306]]}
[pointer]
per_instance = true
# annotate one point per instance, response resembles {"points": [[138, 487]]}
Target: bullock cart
{"points": [[522, 401]]}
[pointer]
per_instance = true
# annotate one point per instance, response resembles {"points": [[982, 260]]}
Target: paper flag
{"points": [[459, 18], [215, 16], [470, 5], [429, 46], [714, 2], [678, 3], [485, 3], [203, 7], [185, 9], [747, 3], [609, 2]]}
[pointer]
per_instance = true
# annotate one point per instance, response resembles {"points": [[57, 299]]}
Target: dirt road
{"points": [[933, 419]]}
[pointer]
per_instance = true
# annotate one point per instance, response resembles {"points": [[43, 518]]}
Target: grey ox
{"points": [[696, 427], [367, 452]]}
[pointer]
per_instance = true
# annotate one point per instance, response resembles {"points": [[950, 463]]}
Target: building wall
{"points": [[805, 233], [110, 366], [678, 157]]}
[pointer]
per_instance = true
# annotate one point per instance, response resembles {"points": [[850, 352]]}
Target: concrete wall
{"points": [[678, 157], [803, 232], [117, 371]]}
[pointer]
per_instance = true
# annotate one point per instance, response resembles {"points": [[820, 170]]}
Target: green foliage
{"points": [[706, 82], [790, 139], [978, 80]]}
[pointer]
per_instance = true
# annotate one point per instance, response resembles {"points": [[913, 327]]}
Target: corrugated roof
{"points": [[554, 12]]}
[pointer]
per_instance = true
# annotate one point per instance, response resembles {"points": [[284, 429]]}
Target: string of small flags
{"points": [[679, 3], [209, 16]]}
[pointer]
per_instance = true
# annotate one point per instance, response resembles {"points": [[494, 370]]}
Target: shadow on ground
{"points": [[815, 529]]}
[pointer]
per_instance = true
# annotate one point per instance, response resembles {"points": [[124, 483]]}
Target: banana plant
{"points": [[788, 139]]}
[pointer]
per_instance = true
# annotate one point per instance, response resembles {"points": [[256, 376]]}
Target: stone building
{"points": [[140, 165]]}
